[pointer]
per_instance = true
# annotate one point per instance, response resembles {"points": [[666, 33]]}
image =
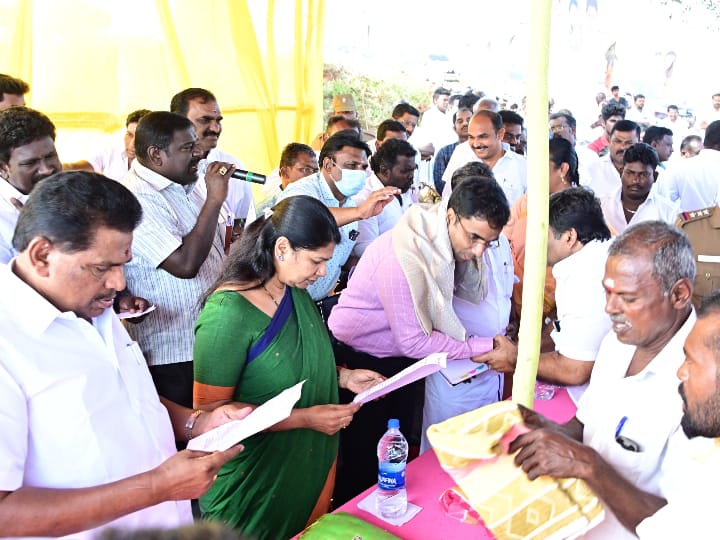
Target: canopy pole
{"points": [[537, 210]]}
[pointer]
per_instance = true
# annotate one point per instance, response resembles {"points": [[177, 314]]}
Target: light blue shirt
{"points": [[316, 187]]}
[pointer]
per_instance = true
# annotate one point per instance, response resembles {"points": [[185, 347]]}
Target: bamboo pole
{"points": [[537, 212]]}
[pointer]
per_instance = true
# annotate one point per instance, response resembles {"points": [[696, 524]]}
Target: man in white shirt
{"points": [[86, 442], [563, 124], [713, 114], [393, 164], [408, 116], [661, 139], [691, 468], [631, 407], [201, 108], [605, 172], [578, 240], [676, 124], [635, 200], [693, 183], [114, 160], [436, 124], [637, 114], [485, 144], [27, 156], [178, 248]]}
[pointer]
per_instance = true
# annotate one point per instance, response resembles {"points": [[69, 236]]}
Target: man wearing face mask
{"points": [[343, 164]]}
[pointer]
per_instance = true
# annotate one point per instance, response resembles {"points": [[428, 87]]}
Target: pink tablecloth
{"points": [[426, 481]]}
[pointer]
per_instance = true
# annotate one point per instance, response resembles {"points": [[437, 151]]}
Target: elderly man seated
{"points": [[631, 407], [686, 505]]}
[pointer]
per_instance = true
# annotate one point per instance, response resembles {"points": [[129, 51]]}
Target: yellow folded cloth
{"points": [[511, 506]]}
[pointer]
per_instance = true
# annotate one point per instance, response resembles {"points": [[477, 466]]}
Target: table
{"points": [[426, 481]]}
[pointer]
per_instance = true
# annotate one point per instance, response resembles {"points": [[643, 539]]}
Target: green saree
{"points": [[269, 490]]}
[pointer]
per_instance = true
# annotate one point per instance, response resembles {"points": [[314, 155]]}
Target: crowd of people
{"points": [[363, 257]]}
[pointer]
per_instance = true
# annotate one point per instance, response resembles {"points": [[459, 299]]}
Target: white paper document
{"points": [[458, 371], [269, 413], [130, 315], [419, 370]]}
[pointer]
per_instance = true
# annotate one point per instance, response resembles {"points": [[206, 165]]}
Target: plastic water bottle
{"points": [[392, 450]]}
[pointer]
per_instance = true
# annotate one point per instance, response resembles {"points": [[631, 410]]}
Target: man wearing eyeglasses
{"points": [[631, 407], [635, 201], [398, 308], [564, 125]]}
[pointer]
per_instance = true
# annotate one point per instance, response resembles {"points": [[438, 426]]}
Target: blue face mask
{"points": [[351, 181]]}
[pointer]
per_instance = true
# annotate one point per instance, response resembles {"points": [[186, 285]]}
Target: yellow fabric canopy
{"points": [[91, 62]]}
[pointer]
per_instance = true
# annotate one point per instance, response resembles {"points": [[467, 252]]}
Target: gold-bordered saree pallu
{"points": [[493, 491]]}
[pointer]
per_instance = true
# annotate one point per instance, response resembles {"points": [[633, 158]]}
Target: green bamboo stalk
{"points": [[537, 210]]}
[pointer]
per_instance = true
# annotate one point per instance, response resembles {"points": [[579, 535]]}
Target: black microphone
{"points": [[249, 176]]}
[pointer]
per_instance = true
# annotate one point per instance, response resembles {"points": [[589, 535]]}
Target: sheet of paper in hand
{"points": [[269, 413], [129, 315], [420, 369]]}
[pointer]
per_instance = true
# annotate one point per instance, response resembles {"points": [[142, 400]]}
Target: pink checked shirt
{"points": [[375, 313]]}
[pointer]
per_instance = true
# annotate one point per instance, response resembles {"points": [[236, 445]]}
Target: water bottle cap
{"points": [[393, 423]]}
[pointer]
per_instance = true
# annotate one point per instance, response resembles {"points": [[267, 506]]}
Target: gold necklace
{"points": [[270, 295]]}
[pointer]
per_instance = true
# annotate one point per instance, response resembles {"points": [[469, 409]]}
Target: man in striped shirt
{"points": [[178, 249]]}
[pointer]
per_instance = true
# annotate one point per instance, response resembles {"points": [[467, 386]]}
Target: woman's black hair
{"points": [[304, 221]]}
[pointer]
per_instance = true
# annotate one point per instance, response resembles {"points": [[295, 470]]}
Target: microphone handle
{"points": [[248, 176]]}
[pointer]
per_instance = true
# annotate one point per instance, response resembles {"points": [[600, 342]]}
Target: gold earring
{"points": [[562, 179]]}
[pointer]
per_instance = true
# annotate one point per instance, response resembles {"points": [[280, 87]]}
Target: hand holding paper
{"points": [[420, 369], [135, 314], [268, 414]]}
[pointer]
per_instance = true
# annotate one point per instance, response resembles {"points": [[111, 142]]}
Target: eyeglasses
{"points": [[477, 240]]}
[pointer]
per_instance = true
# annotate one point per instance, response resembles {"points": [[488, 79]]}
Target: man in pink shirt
{"points": [[397, 308]]}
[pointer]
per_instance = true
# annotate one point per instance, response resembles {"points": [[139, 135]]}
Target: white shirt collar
{"points": [[8, 191], [37, 313], [586, 256]]}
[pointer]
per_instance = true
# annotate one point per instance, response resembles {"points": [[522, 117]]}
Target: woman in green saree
{"points": [[258, 334]]}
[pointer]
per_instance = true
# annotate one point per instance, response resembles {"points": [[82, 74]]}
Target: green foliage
{"points": [[374, 97]]}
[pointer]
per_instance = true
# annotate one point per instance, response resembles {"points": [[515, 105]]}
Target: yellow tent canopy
{"points": [[91, 62]]}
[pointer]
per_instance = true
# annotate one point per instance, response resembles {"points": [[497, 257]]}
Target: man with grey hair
{"points": [[631, 407]]}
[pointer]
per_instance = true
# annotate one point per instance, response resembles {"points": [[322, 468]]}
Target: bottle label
{"points": [[391, 476]]}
